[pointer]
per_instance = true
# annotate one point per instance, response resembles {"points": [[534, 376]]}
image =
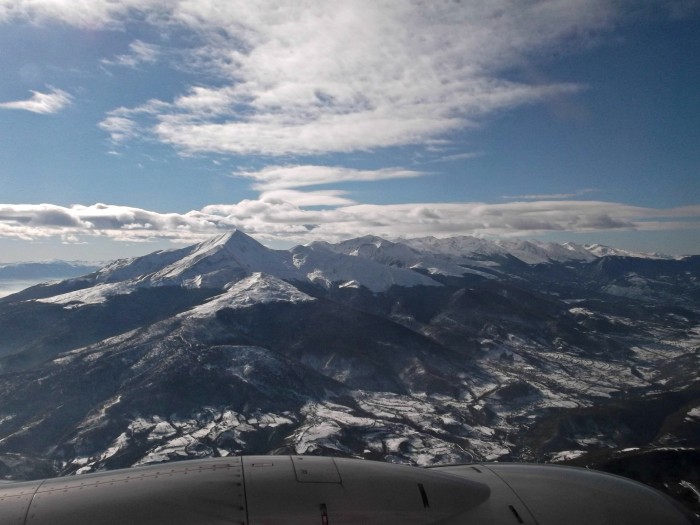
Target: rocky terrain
{"points": [[422, 351]]}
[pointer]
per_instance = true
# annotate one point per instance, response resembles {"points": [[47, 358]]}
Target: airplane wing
{"points": [[330, 491]]}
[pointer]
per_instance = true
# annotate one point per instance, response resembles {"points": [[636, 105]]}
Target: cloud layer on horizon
{"points": [[277, 220]]}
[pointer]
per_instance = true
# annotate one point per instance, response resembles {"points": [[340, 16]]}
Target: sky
{"points": [[128, 126]]}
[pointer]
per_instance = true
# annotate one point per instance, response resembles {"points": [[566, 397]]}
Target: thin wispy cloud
{"points": [[139, 53], [120, 129], [550, 196], [305, 199], [282, 177], [459, 156], [42, 103], [89, 15]]}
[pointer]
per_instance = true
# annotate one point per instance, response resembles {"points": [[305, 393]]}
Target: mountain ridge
{"points": [[378, 263], [367, 348]]}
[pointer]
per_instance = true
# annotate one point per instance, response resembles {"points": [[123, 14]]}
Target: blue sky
{"points": [[128, 126]]}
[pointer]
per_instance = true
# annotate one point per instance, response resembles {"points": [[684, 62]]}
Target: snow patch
{"points": [[693, 414], [565, 455]]}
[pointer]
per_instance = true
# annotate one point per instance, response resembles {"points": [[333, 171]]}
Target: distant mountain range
{"points": [[422, 350], [45, 270], [14, 277]]}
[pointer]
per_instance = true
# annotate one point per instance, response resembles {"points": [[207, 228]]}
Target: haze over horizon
{"points": [[130, 126]]}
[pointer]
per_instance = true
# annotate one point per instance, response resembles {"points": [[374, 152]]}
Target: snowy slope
{"points": [[135, 267], [321, 264], [397, 254], [467, 248], [212, 263], [538, 252], [600, 250], [93, 295], [257, 289], [460, 247], [529, 252]]}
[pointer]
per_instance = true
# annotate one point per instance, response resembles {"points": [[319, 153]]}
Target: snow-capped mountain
{"points": [[320, 263], [211, 264], [424, 351], [600, 250], [221, 261], [396, 254], [529, 252]]}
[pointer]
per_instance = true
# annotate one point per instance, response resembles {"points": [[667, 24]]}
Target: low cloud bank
{"points": [[272, 218]]}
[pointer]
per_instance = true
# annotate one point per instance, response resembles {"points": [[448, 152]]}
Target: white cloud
{"points": [[280, 177], [121, 123], [323, 77], [459, 156], [313, 77], [32, 221], [119, 128], [89, 14], [272, 218], [304, 199], [44, 103]]}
